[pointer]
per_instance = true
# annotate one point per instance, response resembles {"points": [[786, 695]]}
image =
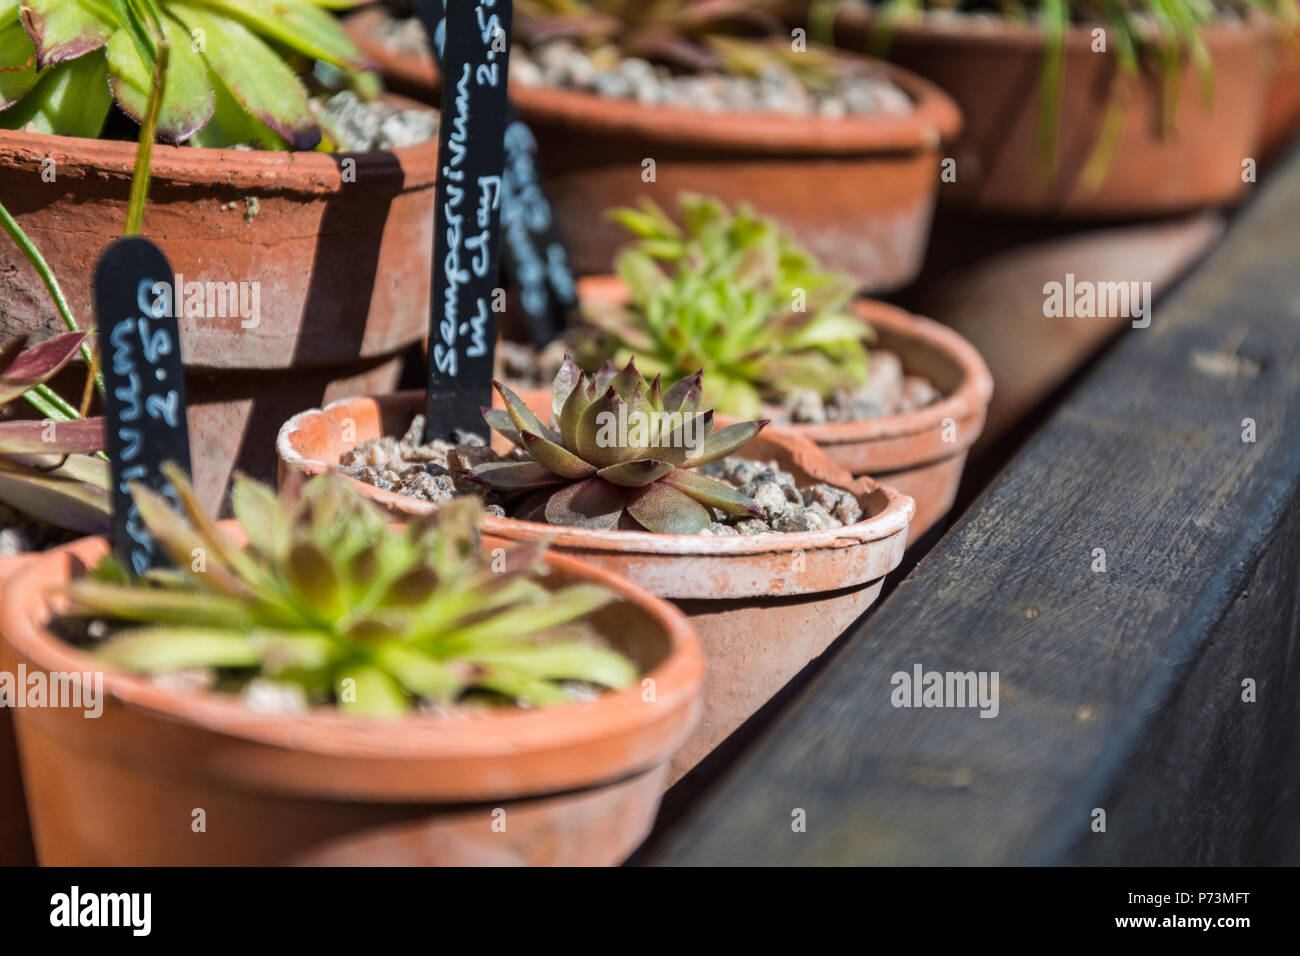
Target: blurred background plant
{"points": [[49, 469], [1169, 31], [238, 71], [52, 469], [732, 293], [737, 37], [329, 604]]}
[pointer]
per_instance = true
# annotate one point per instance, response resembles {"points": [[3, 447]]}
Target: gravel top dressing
{"points": [[857, 89]]}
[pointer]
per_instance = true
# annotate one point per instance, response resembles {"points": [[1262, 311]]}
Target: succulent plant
{"points": [[47, 470], [621, 454], [740, 37], [330, 598], [733, 293], [233, 67]]}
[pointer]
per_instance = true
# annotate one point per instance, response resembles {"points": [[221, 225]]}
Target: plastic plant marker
{"points": [[144, 388], [467, 228], [533, 259]]}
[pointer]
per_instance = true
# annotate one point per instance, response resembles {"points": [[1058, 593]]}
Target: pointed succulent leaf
{"points": [[712, 493], [256, 76], [522, 415], [511, 476], [160, 649], [685, 439], [566, 380], [178, 538], [635, 474], [259, 512], [69, 99], [628, 382], [367, 691], [182, 606], [314, 579], [570, 660], [499, 420], [665, 510], [562, 607], [296, 24], [18, 73], [583, 394], [59, 501], [66, 29], [684, 395], [187, 101], [555, 458], [232, 124], [592, 503], [598, 438], [79, 436], [418, 673], [21, 370], [604, 377], [214, 538], [527, 690], [726, 441]]}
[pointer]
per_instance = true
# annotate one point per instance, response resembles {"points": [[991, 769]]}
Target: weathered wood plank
{"points": [[1119, 690]]}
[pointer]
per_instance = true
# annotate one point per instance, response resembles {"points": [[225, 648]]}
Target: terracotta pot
{"points": [[858, 192], [1281, 102], [343, 269], [922, 453], [574, 785], [992, 68], [15, 836], [763, 606]]}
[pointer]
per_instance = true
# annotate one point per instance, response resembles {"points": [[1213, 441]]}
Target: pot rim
{"points": [[324, 732], [264, 171], [890, 520], [969, 400], [933, 119]]}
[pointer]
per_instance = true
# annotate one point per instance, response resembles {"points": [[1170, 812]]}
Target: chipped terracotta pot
{"points": [[922, 453], [343, 270], [578, 784], [992, 69], [858, 192], [15, 835], [763, 606]]}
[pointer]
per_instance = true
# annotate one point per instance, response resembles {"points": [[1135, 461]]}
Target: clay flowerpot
{"points": [[577, 784], [764, 606], [858, 192], [1281, 119], [338, 248], [921, 453], [993, 69], [15, 836]]}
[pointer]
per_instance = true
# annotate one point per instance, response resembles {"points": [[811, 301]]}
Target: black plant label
{"points": [[144, 385], [467, 228], [533, 259]]}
